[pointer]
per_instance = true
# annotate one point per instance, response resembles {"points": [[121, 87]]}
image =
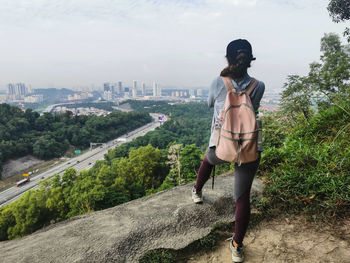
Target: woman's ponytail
{"points": [[236, 70]]}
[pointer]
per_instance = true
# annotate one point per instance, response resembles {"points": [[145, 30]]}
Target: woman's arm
{"points": [[212, 93], [257, 94]]}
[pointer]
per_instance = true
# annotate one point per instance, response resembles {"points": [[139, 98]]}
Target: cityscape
{"points": [[21, 92], [24, 96]]}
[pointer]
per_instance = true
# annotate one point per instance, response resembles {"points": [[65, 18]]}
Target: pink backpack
{"points": [[236, 130]]}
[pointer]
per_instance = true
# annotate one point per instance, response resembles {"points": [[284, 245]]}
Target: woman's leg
{"points": [[244, 176], [242, 217], [206, 167], [203, 174]]}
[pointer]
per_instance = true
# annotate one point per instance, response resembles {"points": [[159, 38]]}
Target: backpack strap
{"points": [[230, 88], [228, 84], [252, 85]]}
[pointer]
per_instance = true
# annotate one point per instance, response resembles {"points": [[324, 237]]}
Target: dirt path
{"points": [[282, 241]]}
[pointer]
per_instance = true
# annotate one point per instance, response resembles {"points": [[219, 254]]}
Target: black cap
{"points": [[237, 46]]}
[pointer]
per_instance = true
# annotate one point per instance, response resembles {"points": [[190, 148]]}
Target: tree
{"points": [[276, 128], [122, 194], [46, 148], [190, 159], [175, 175], [7, 220], [330, 78], [128, 178], [29, 212], [339, 10], [56, 199], [296, 97], [146, 166], [84, 195], [327, 82]]}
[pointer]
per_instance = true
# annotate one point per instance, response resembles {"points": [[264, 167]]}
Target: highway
{"points": [[82, 162]]}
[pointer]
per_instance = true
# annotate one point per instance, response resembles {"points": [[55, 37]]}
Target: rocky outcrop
{"points": [[168, 219]]}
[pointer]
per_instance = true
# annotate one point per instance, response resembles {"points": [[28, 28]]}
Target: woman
{"points": [[239, 56]]}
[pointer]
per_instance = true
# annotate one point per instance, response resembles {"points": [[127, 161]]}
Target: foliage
{"points": [[63, 197], [175, 176], [326, 83], [140, 171], [275, 129], [187, 124], [184, 163], [47, 136], [159, 256], [296, 97], [331, 76], [190, 159], [309, 171], [339, 10]]}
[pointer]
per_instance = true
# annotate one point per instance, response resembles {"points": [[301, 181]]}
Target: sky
{"points": [[178, 43]]}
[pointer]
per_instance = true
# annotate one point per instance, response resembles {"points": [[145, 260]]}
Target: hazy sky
{"points": [[70, 43]]}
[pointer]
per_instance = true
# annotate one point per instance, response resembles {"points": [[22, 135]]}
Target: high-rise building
{"points": [[192, 92], [154, 89], [113, 88], [199, 92], [106, 86], [20, 89], [126, 92], [134, 89], [29, 89], [120, 87], [143, 86], [10, 89], [159, 90]]}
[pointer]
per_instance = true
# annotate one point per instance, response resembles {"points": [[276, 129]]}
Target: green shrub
{"points": [[159, 256], [310, 173]]}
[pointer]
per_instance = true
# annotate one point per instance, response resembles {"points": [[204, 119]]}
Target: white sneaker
{"points": [[197, 197], [237, 252]]}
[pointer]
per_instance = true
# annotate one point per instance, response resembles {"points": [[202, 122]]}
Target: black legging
{"points": [[244, 175]]}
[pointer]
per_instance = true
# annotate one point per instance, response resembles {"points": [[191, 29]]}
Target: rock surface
{"points": [[168, 219]]}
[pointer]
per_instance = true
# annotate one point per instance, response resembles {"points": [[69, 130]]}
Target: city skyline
{"points": [[68, 44], [100, 86]]}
